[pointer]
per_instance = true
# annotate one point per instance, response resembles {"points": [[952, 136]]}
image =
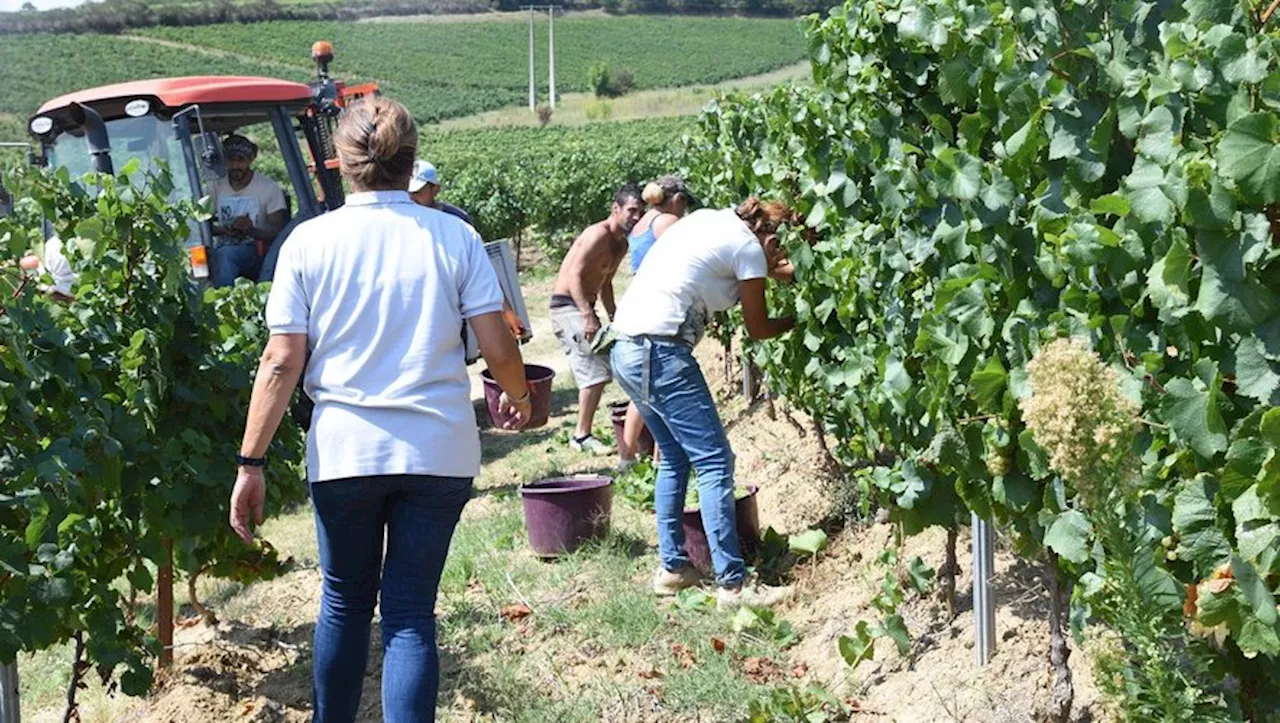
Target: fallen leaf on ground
{"points": [[516, 611], [650, 674], [760, 670], [800, 670], [683, 654], [718, 645]]}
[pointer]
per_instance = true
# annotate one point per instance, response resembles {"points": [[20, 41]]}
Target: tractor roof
{"points": [[175, 92]]}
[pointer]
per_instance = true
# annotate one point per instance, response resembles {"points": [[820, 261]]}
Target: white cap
{"points": [[423, 173]]}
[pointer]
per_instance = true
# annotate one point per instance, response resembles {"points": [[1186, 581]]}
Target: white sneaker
{"points": [[667, 583], [755, 595], [590, 445]]}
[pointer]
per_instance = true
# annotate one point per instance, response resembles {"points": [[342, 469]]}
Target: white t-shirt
{"points": [[691, 272], [55, 262], [381, 287], [259, 199]]}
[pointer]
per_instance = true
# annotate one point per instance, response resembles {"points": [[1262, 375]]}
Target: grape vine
{"points": [[986, 177], [119, 416]]}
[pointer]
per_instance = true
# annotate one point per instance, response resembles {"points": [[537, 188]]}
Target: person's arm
{"points": [[783, 271], [501, 354], [593, 241], [270, 227], [755, 312], [288, 316], [278, 372], [606, 295], [279, 369]]}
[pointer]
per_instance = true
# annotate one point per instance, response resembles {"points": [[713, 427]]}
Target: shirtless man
{"points": [[585, 275]]}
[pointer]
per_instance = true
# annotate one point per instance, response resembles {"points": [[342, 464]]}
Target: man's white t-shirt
{"points": [[381, 288], [691, 272], [257, 200], [55, 262]]}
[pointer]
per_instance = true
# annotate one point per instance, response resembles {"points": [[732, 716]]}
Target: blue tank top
{"points": [[640, 245]]}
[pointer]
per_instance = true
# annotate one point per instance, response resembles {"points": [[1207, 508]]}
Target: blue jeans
{"points": [[667, 386], [417, 513], [227, 263]]}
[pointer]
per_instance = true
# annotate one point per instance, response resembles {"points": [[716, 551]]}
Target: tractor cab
{"points": [[183, 121]]}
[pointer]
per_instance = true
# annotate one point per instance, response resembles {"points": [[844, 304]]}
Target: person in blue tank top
{"points": [[669, 199]]}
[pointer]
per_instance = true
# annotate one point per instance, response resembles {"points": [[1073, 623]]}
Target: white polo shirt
{"points": [[381, 288], [693, 271]]}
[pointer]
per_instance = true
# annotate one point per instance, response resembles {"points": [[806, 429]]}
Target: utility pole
{"points": [[533, 93], [551, 54], [551, 51]]}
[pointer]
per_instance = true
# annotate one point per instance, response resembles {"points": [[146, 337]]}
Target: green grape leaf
{"points": [[1195, 519], [1114, 204], [1069, 536], [1249, 155], [987, 385], [809, 542], [1169, 278], [1191, 411], [861, 646], [1256, 376], [920, 575], [895, 628]]}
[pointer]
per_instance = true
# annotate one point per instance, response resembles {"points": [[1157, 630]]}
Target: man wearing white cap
{"points": [[424, 187]]}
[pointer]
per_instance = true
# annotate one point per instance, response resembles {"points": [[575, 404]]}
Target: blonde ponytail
{"points": [[653, 194]]}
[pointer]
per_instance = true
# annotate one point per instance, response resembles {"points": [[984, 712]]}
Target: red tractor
{"points": [[182, 122]]}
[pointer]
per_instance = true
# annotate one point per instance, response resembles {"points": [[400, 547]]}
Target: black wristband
{"points": [[251, 461]]}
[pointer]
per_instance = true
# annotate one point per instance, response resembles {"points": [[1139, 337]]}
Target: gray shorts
{"points": [[589, 369]]}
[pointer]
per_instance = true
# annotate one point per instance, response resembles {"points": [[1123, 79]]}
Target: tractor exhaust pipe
{"points": [[95, 134]]}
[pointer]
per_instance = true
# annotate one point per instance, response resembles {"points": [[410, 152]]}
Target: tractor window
{"points": [[147, 139]]}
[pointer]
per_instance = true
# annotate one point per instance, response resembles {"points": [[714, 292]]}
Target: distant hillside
{"points": [[114, 16], [440, 70]]}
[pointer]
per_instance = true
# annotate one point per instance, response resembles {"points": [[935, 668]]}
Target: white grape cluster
{"points": [[1079, 415]]}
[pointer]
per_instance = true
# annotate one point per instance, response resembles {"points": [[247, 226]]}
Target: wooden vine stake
{"points": [[950, 569], [1063, 691], [164, 606]]}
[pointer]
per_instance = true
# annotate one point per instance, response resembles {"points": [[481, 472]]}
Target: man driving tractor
{"points": [[248, 212]]}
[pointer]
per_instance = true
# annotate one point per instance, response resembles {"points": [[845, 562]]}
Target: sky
{"points": [[11, 5]]}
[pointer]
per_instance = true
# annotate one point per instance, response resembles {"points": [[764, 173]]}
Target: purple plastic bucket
{"points": [[695, 538], [563, 513], [539, 378], [618, 415]]}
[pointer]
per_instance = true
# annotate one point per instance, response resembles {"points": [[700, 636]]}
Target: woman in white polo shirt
{"points": [[706, 262], [371, 299]]}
